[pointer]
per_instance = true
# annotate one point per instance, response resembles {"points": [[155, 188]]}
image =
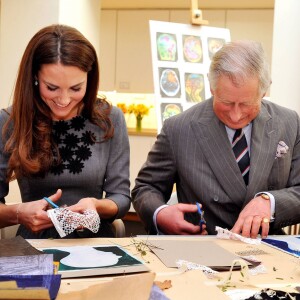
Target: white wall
{"points": [[21, 19], [83, 15], [125, 41], [285, 88]]}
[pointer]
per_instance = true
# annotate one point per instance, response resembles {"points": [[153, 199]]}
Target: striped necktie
{"points": [[241, 153]]}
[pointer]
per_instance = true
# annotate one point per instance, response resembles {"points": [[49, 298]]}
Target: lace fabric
{"points": [[66, 221]]}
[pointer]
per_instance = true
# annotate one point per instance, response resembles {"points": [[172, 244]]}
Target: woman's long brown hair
{"points": [[29, 127]]}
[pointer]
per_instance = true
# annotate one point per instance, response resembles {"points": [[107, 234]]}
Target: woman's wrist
{"points": [[106, 208], [18, 213]]}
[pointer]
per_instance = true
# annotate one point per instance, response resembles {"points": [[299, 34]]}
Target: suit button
{"points": [[270, 188], [216, 198]]}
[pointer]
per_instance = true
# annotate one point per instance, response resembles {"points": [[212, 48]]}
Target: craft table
{"points": [[283, 272]]}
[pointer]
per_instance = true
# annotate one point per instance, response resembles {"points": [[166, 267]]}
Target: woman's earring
{"points": [[36, 82]]}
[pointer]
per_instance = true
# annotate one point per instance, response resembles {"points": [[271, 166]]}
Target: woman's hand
{"points": [[106, 208], [84, 204], [33, 214]]}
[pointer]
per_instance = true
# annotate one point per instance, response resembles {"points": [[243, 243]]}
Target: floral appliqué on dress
{"points": [[74, 144]]}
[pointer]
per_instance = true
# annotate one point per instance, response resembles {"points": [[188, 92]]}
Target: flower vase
{"points": [[138, 124]]}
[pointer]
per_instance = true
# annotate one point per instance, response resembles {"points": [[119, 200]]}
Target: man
{"points": [[195, 151]]}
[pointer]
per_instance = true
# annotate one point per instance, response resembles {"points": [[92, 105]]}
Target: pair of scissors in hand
{"points": [[201, 214], [52, 204]]}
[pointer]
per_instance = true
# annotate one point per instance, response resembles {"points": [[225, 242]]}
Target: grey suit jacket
{"points": [[193, 151]]}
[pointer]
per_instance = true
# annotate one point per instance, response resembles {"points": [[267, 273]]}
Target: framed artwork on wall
{"points": [[181, 55]]}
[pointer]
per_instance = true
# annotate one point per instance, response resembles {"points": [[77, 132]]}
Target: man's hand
{"points": [[170, 220], [255, 215]]}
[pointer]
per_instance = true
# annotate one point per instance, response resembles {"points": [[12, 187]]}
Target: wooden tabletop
{"points": [[282, 270]]}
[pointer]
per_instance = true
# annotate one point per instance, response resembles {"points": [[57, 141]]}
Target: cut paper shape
{"points": [[88, 257]]}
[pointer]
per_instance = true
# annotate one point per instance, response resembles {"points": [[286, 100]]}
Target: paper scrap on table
{"points": [[199, 251], [193, 266], [225, 234]]}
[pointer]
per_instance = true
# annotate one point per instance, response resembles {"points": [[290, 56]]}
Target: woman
{"points": [[58, 140]]}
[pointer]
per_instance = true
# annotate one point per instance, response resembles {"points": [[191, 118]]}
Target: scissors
{"points": [[51, 202], [201, 214]]}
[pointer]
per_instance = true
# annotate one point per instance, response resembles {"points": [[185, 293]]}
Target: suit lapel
{"points": [[212, 138], [263, 150]]}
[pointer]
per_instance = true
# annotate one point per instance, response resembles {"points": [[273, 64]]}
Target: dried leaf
{"points": [[163, 285]]}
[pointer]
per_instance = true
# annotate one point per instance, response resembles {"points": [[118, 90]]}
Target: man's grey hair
{"points": [[240, 60]]}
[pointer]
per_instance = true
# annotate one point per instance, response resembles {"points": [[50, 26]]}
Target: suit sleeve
{"points": [[287, 199], [154, 183]]}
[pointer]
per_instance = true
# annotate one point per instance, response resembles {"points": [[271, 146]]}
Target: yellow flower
{"points": [[139, 110], [123, 107]]}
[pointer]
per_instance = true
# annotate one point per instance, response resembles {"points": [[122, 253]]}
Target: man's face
{"points": [[236, 106]]}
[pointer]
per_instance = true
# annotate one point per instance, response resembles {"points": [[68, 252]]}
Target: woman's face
{"points": [[62, 88]]}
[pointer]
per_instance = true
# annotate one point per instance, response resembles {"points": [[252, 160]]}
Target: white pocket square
{"points": [[282, 149]]}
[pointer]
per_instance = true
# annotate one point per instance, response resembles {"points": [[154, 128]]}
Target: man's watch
{"points": [[265, 196]]}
